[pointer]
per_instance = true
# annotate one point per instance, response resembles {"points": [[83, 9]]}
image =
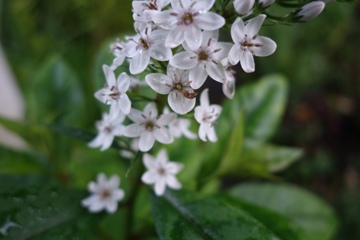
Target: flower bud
{"points": [[310, 11], [266, 3], [243, 7]]}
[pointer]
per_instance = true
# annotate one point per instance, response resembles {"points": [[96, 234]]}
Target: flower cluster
{"points": [[175, 50]]}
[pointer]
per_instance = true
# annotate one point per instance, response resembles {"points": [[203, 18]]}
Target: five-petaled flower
{"points": [[105, 194], [114, 92], [248, 43], [206, 115], [176, 83], [161, 172], [108, 129], [186, 19], [149, 127]]}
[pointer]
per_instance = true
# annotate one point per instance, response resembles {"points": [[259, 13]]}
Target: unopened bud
{"points": [[265, 3], [310, 11], [243, 7]]}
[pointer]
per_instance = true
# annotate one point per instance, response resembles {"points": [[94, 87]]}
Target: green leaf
{"points": [[41, 211], [308, 211], [279, 224], [21, 162], [263, 106], [267, 158], [54, 94], [187, 215]]}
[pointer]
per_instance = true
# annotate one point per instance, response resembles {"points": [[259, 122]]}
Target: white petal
{"points": [[209, 21], [160, 83], [203, 5], [146, 141], [175, 38], [123, 82], [163, 135], [179, 103], [139, 63], [136, 116], [211, 134], [174, 167], [184, 60], [118, 194], [234, 54], [97, 141], [165, 119], [193, 37], [160, 52], [149, 161], [172, 182], [111, 206], [202, 131], [133, 130], [247, 61], [162, 157], [267, 47], [253, 26], [229, 88], [238, 30], [110, 76], [107, 142], [216, 71], [198, 76], [150, 110], [160, 187], [149, 177], [243, 7], [204, 98], [125, 103], [114, 181], [224, 52], [165, 19]]}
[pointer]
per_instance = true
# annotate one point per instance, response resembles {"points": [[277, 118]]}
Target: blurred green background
{"points": [[320, 58]]}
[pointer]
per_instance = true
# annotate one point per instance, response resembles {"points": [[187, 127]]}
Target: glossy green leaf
{"points": [[267, 158], [263, 106], [312, 214], [282, 226], [55, 95], [41, 211], [187, 215]]}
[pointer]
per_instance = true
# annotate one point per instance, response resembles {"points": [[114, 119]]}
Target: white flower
{"points": [[143, 10], [117, 50], [161, 172], [179, 127], [310, 11], [149, 127], [114, 92], [206, 115], [185, 21], [176, 83], [266, 3], [248, 43], [203, 60], [146, 44], [228, 85], [105, 194], [108, 128], [243, 7]]}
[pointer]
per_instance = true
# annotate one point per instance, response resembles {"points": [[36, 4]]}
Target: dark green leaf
{"points": [[305, 209], [187, 215], [42, 211], [263, 105], [54, 94]]}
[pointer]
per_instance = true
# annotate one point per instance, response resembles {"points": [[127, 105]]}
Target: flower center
{"points": [[178, 86], [161, 171], [106, 194], [203, 55], [187, 18], [149, 125], [144, 43]]}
